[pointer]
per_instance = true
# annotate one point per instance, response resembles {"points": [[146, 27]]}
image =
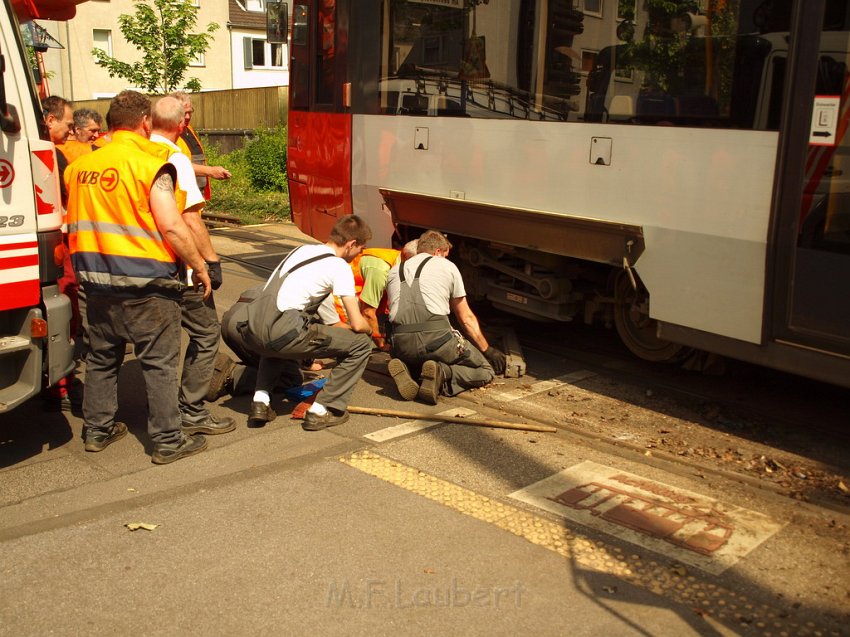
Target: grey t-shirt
{"points": [[440, 281]]}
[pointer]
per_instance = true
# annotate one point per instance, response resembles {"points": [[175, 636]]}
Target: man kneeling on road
{"points": [[422, 291], [281, 325]]}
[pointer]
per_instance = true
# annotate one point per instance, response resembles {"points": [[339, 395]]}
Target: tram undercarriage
{"points": [[547, 287]]}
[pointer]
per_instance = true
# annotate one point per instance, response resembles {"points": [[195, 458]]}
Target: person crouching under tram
{"points": [[422, 292], [281, 325]]}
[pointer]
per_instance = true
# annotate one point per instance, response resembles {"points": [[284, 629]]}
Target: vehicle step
{"points": [[10, 344]]}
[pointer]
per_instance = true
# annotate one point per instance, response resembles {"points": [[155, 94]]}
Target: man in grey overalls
{"points": [[422, 292], [281, 325]]}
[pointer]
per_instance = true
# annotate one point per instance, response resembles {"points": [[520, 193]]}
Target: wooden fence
{"points": [[227, 118]]}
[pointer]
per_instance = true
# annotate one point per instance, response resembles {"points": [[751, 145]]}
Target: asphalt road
{"points": [[359, 530]]}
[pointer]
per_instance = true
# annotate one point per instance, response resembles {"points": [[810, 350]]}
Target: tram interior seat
{"points": [[621, 108]]}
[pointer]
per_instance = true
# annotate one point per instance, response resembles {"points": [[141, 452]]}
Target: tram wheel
{"points": [[636, 329]]}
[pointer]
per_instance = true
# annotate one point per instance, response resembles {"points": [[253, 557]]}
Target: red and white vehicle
{"points": [[675, 168], [35, 340]]}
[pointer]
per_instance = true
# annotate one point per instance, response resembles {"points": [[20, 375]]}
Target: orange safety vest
{"points": [[72, 149], [387, 255], [190, 145], [115, 244]]}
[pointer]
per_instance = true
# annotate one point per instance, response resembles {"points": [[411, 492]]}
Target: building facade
{"points": [[238, 57]]}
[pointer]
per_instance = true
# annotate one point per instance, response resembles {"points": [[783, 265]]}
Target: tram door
{"points": [[319, 126], [812, 293]]}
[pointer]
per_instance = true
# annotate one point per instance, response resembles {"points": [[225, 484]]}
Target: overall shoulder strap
{"points": [[418, 270]]}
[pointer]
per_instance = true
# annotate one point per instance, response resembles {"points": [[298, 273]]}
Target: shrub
{"points": [[238, 196], [266, 160]]}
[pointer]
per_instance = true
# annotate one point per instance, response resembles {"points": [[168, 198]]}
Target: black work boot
{"points": [[221, 377], [430, 382], [407, 387], [163, 453], [210, 425], [260, 414], [98, 441]]}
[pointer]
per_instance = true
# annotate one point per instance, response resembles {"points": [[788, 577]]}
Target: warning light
{"points": [[59, 254], [38, 328]]}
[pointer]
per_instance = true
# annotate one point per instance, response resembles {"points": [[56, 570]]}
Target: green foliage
{"points": [[237, 196], [164, 33], [266, 159]]}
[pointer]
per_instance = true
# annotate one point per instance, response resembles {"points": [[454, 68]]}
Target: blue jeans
{"points": [[152, 325]]}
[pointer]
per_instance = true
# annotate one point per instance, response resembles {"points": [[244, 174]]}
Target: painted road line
{"points": [[685, 526], [695, 590], [412, 426], [543, 385]]}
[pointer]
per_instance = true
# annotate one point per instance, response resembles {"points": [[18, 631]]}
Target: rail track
{"points": [[781, 422]]}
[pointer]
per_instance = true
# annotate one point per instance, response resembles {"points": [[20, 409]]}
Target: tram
{"points": [[675, 168]]}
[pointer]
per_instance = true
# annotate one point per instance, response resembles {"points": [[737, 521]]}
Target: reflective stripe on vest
{"points": [[115, 244]]}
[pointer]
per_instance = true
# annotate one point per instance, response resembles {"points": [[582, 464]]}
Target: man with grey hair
{"points": [[422, 292], [190, 144], [87, 124], [198, 315]]}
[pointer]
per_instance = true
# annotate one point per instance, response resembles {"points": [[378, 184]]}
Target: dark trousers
{"points": [[152, 325], [464, 366], [199, 319], [350, 349]]}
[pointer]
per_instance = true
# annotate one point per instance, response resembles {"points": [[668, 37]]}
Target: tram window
{"points": [[299, 75], [669, 62], [326, 51]]}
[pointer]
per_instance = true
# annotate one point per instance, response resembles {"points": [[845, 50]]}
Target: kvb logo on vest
{"points": [[108, 180]]}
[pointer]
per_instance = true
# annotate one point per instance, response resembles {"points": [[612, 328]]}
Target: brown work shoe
{"points": [[430, 382], [260, 414], [163, 453], [407, 387], [221, 375], [314, 422]]}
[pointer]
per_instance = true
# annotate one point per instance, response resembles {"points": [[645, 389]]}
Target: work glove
{"points": [[496, 358], [214, 268]]}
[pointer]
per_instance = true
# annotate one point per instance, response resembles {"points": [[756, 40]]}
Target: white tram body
{"points": [[675, 168]]}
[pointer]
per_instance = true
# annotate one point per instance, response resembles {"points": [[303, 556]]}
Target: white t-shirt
{"points": [[308, 284], [185, 173], [440, 281]]}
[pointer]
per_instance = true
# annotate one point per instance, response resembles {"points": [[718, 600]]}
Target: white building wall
{"points": [[256, 76], [77, 77]]}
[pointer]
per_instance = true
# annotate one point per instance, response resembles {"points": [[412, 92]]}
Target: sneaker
{"points": [[314, 422], [430, 382], [407, 387], [221, 376], [210, 425], [98, 441], [260, 415], [188, 446]]}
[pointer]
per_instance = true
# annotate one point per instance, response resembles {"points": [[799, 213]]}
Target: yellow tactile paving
{"points": [[671, 582]]}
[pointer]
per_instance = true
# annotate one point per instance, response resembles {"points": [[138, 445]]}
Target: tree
{"points": [[163, 32]]}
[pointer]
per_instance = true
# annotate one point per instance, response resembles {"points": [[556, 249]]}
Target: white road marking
{"points": [[543, 385], [412, 426]]}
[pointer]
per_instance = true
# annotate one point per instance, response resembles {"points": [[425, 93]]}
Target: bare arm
{"points": [[355, 318], [200, 234], [174, 229], [216, 172], [469, 322]]}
